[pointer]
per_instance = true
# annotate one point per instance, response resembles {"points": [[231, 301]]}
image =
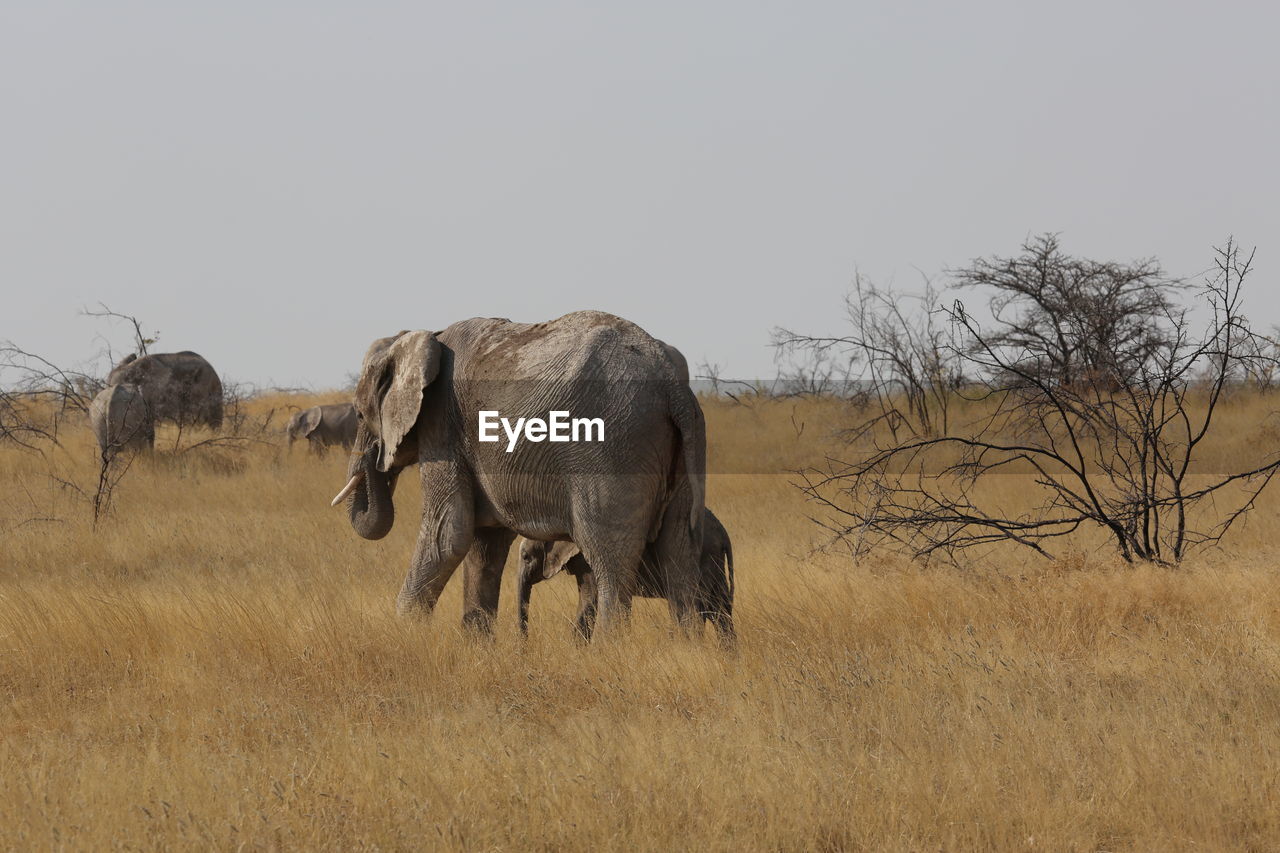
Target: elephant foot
{"points": [[479, 622], [412, 608]]}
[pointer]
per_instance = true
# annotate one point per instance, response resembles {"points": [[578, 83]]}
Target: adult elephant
{"points": [[179, 386], [324, 426], [121, 420], [420, 396]]}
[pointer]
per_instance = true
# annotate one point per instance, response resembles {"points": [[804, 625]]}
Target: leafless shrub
{"points": [[1262, 368], [37, 397], [42, 391], [115, 457], [19, 425], [812, 372], [896, 359], [740, 391], [242, 428], [1115, 457], [35, 404], [141, 340], [1066, 318]]}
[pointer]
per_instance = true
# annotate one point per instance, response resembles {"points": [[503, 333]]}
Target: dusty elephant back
{"points": [[591, 365], [583, 344], [181, 387]]}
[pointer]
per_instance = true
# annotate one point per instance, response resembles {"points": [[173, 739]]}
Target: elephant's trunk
{"points": [[369, 506]]}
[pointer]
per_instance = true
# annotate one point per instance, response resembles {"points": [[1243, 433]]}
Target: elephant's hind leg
{"points": [[482, 576], [614, 560], [677, 552]]}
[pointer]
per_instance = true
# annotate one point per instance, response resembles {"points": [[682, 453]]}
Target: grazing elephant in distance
{"points": [[324, 426], [121, 420], [179, 386], [639, 484], [542, 560]]}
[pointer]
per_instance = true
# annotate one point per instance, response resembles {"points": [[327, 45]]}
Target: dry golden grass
{"points": [[219, 665]]}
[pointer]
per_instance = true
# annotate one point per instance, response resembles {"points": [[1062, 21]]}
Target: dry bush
{"points": [[1109, 438], [219, 666]]}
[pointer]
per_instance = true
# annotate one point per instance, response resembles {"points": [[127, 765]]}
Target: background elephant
{"points": [[419, 397], [324, 426], [542, 560], [178, 386], [121, 420]]}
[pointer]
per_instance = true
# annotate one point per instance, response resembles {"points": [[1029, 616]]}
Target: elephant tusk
{"points": [[348, 489]]}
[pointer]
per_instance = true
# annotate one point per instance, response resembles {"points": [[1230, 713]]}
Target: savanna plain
{"points": [[217, 664]]}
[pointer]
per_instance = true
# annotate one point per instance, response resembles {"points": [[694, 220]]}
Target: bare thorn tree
{"points": [[116, 456], [141, 341], [738, 390], [1119, 459], [35, 402], [19, 424], [241, 427], [1072, 319], [897, 354], [39, 395]]}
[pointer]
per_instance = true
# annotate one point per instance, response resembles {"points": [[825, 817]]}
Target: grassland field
{"points": [[217, 664]]}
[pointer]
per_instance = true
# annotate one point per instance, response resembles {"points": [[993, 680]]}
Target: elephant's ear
{"points": [[558, 556], [392, 383], [309, 421]]}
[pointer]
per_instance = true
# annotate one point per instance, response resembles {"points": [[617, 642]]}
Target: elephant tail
{"points": [[689, 422]]}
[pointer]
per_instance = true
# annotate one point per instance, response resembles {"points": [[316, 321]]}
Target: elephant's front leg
{"points": [[482, 574], [444, 538]]}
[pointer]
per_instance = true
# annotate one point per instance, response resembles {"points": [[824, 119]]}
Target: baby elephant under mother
{"points": [[419, 397]]}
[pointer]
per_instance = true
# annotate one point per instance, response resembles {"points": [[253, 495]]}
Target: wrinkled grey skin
{"points": [[677, 360], [179, 386], [542, 560], [418, 398], [121, 420], [324, 426]]}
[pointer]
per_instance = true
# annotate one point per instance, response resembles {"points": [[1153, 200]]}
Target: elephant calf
{"points": [[542, 560], [121, 420], [324, 426]]}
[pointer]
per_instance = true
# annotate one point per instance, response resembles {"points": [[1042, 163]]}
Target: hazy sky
{"points": [[276, 184]]}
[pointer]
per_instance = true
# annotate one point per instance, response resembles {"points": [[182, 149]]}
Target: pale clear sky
{"points": [[275, 184]]}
